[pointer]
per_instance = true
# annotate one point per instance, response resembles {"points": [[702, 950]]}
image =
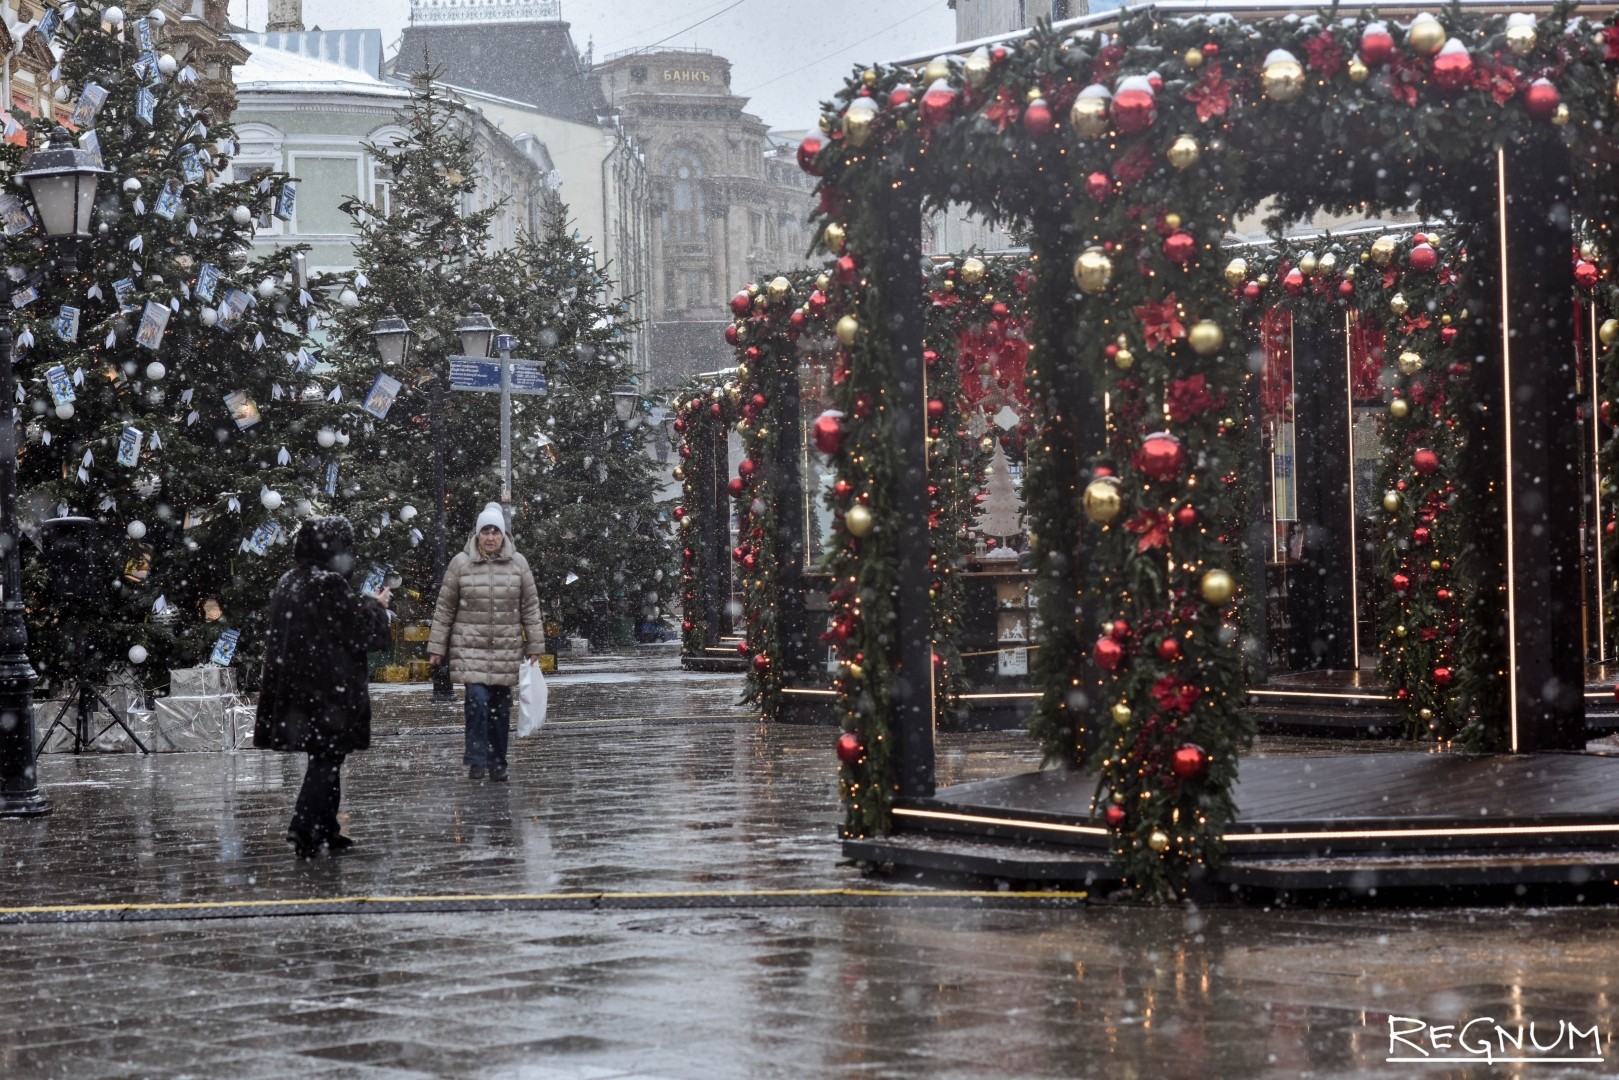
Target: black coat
{"points": [[315, 696]]}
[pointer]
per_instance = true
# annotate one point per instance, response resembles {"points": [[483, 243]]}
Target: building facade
{"points": [[977, 19], [729, 204]]}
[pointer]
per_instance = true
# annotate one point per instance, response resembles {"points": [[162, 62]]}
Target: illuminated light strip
{"points": [[1596, 473], [1368, 696], [1354, 524], [979, 819], [1007, 694], [1506, 403], [817, 693], [1251, 837]]}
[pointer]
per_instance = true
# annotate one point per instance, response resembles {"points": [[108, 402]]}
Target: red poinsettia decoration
{"points": [[1134, 165], [1324, 54], [1003, 111], [1502, 81], [1173, 696], [1187, 399], [1401, 78], [1152, 526], [1611, 35], [1160, 323], [1211, 95]]}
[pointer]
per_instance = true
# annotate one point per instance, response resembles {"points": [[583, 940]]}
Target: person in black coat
{"points": [[315, 697]]}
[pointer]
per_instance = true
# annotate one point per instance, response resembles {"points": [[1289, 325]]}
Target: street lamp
{"points": [[477, 330], [392, 337], [626, 399], [62, 180]]}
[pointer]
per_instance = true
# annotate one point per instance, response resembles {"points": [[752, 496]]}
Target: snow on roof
{"points": [[274, 71]]}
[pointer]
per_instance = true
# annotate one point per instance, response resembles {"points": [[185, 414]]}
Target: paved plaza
{"points": [[658, 892]]}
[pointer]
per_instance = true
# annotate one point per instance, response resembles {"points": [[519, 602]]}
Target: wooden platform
{"points": [[1306, 822], [1357, 703]]}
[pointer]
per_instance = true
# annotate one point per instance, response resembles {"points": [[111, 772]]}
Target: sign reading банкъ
{"points": [[671, 75]]}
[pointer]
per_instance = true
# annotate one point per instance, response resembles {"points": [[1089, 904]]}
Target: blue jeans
{"points": [[489, 720]]}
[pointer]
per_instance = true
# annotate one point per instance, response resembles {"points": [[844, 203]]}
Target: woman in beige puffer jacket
{"points": [[486, 608]]}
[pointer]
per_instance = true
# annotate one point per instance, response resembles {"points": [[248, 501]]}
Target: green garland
{"points": [[1136, 149], [703, 412]]}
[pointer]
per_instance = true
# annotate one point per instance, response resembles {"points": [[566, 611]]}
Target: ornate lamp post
{"points": [[62, 179]]}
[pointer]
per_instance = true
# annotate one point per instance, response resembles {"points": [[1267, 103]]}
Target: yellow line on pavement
{"points": [[531, 898]]}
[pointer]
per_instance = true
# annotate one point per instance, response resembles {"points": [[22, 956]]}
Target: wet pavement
{"points": [[658, 893]]}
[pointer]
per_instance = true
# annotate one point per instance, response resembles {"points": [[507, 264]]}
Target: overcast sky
{"points": [[786, 55]]}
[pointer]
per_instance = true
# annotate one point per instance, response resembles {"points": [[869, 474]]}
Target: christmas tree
{"points": [[167, 383]]}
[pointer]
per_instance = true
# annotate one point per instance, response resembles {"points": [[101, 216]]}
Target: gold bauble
{"points": [[1358, 71], [1283, 80], [1426, 714], [1521, 39], [679, 473], [1121, 714], [938, 68], [1400, 631], [1435, 565], [1399, 408], [1608, 332], [823, 282], [1327, 263], [1425, 35], [742, 372], [848, 330], [1399, 304], [1089, 116], [1409, 363], [1172, 221], [780, 289], [1263, 279], [858, 521], [1217, 587], [1308, 264], [1561, 116], [1093, 270], [857, 124], [1158, 840], [836, 238], [1183, 152], [1032, 95], [1588, 251], [1383, 249], [855, 670], [1391, 501], [973, 271], [1206, 337], [1124, 359], [1236, 272], [1354, 271], [1192, 58], [976, 70], [869, 76], [827, 123], [1102, 501]]}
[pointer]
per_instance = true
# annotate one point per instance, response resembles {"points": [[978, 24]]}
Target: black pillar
{"points": [[19, 788], [900, 282], [1535, 445], [798, 645], [710, 458]]}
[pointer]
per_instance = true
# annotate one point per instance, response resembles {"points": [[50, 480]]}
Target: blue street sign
{"points": [[527, 378], [505, 342], [467, 373]]}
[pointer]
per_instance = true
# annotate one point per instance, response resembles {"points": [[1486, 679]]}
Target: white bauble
{"points": [[132, 185], [157, 16], [303, 508], [156, 371], [271, 499], [267, 288], [342, 438], [137, 654], [61, 93], [208, 316], [167, 64], [64, 410], [136, 529], [348, 298], [407, 513], [326, 437], [241, 215], [113, 17]]}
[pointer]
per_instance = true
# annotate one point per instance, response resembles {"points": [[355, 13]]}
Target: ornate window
{"points": [[684, 221]]}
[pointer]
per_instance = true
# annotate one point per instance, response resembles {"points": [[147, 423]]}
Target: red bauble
{"points": [[1346, 289], [827, 431], [847, 270], [742, 647], [807, 150], [1442, 595], [1186, 516], [1453, 67], [1107, 653], [686, 626], [1586, 274], [935, 409], [938, 103], [1119, 631], [930, 358], [1160, 457], [1616, 691], [759, 401], [1134, 109], [1605, 411], [1037, 118], [1402, 694], [1542, 99], [740, 303], [679, 512], [1169, 649], [717, 411], [843, 489], [1179, 247], [1099, 185], [850, 748], [754, 352], [1420, 536], [817, 302], [795, 324], [1441, 676], [899, 96], [1190, 761], [1402, 582], [736, 487], [687, 554], [731, 335], [1250, 292], [1114, 814], [761, 663], [1447, 335], [1293, 283], [1425, 461], [1376, 45], [745, 468], [1423, 258]]}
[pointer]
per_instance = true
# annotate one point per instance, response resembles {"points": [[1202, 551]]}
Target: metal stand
{"points": [[85, 696]]}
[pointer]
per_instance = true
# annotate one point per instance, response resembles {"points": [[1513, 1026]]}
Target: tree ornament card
{"points": [[124, 290], [129, 446], [90, 143], [380, 398], [154, 320], [145, 36], [67, 323], [24, 296], [91, 99], [207, 281], [243, 409], [18, 216], [145, 106], [61, 384], [168, 202], [225, 648], [232, 307], [286, 200]]}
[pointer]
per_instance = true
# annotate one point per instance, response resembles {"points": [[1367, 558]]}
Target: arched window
{"points": [[684, 222]]}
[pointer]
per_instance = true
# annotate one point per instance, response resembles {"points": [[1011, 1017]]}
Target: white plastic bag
{"points": [[531, 696]]}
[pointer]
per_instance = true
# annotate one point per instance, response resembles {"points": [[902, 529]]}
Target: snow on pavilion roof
{"points": [[272, 70]]}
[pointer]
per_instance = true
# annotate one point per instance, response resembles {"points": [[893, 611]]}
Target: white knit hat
{"points": [[492, 515]]}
